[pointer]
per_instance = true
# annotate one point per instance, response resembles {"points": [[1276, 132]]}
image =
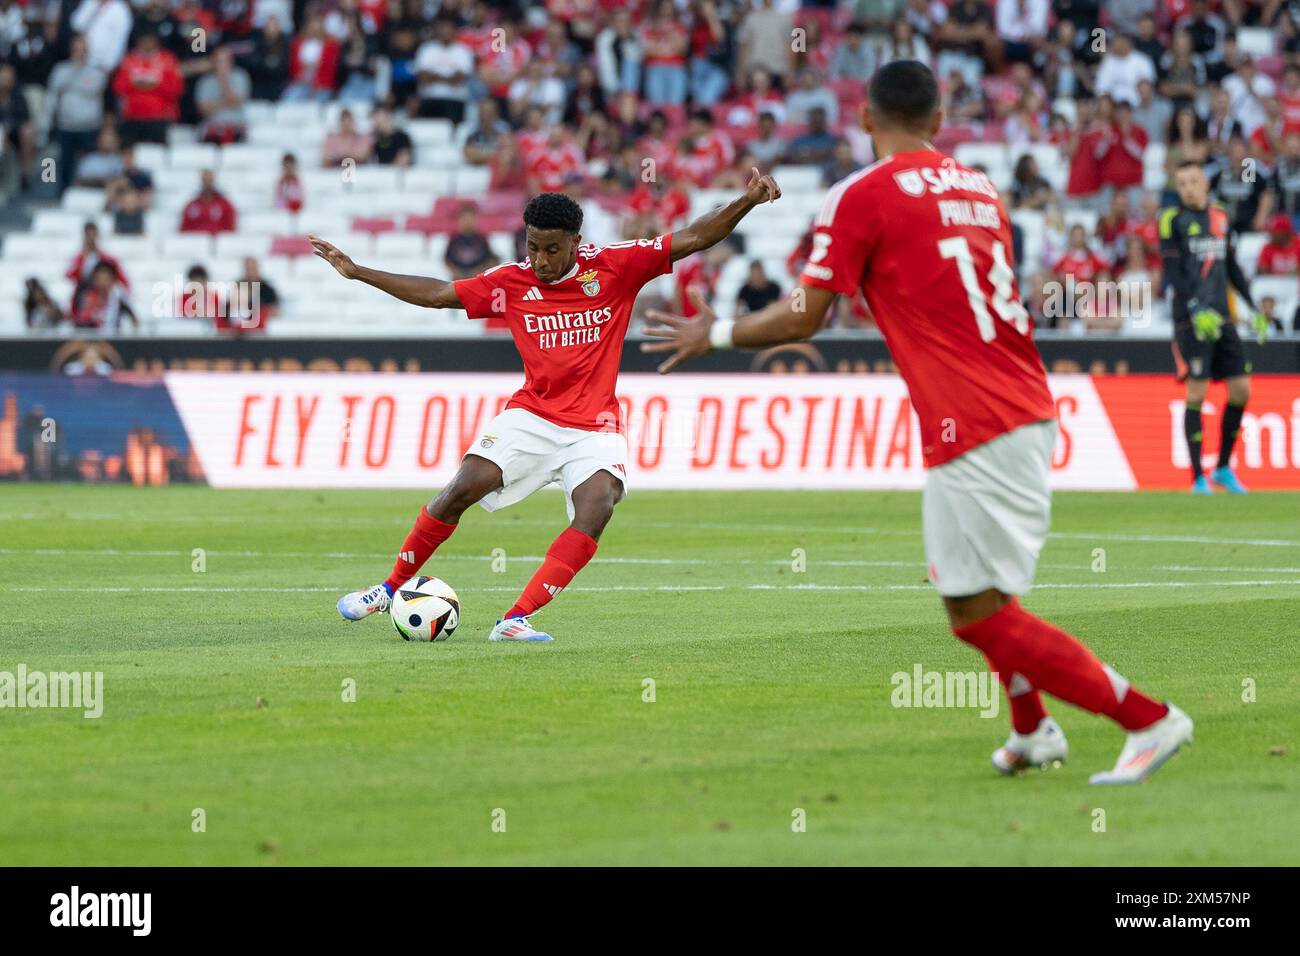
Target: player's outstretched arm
{"points": [[418, 290], [793, 319], [715, 225]]}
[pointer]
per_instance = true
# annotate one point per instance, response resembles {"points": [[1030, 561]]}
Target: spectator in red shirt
{"points": [[209, 211], [1079, 260], [1086, 147], [665, 42], [313, 63], [87, 258], [705, 151], [654, 208], [549, 166], [102, 303], [1121, 164], [1281, 254], [149, 85], [289, 193]]}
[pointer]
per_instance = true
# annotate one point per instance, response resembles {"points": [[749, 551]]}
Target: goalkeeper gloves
{"points": [[1259, 322], [1208, 325]]}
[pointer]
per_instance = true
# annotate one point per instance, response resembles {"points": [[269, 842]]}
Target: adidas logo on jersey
{"points": [[533, 294]]}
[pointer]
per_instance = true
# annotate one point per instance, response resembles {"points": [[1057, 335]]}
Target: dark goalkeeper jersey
{"points": [[1200, 259]]}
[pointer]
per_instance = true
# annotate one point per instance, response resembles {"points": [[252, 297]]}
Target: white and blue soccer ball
{"points": [[425, 609]]}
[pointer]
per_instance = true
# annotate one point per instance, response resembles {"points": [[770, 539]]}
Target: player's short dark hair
{"points": [[553, 211], [904, 93]]}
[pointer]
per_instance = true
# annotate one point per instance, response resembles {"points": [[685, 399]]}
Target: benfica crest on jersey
{"points": [[590, 284], [910, 182]]}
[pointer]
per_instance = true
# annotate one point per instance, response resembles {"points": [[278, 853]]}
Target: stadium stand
{"points": [[398, 115]]}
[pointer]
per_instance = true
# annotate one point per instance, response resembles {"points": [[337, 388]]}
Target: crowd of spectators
{"points": [[589, 95]]}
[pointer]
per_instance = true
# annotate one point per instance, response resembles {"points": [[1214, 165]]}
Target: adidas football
{"points": [[425, 609]]}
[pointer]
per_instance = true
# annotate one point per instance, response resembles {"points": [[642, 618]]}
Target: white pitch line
{"points": [[670, 587]]}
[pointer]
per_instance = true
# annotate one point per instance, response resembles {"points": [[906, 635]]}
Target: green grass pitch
{"points": [[224, 687]]}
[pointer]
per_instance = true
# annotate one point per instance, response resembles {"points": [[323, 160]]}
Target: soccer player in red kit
{"points": [[568, 306], [944, 295]]}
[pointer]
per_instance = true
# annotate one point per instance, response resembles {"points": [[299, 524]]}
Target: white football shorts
{"points": [[533, 453], [986, 513]]}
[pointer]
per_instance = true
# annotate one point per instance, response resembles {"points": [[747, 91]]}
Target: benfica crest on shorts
{"points": [[590, 284]]}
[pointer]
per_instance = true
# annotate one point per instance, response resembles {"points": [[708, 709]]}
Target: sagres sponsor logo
{"points": [[922, 688], [76, 690], [75, 908]]}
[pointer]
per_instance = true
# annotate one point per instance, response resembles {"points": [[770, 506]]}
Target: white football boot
{"points": [[1146, 750], [518, 629], [361, 604], [1045, 747]]}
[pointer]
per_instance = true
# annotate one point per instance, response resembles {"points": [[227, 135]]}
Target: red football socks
{"points": [[418, 547], [1056, 663], [566, 556], [1026, 706]]}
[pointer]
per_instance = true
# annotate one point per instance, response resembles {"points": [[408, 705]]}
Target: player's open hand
{"points": [[761, 188], [685, 338], [345, 266]]}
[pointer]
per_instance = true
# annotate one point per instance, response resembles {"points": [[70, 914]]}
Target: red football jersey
{"points": [[929, 243], [570, 332]]}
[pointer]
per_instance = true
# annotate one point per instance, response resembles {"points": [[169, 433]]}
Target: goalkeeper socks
{"points": [[566, 556], [1054, 662], [1192, 429], [418, 547], [1228, 436], [1027, 709]]}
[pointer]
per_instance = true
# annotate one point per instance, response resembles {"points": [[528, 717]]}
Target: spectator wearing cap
{"points": [[1121, 69], [150, 86], [1237, 184], [1280, 256], [209, 211]]}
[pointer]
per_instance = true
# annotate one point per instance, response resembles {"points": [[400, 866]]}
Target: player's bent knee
{"points": [[975, 607]]}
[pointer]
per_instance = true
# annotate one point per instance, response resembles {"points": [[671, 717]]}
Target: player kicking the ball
{"points": [[928, 241], [568, 306]]}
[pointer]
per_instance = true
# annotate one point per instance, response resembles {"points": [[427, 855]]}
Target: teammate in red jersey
{"points": [[568, 306], [944, 295]]}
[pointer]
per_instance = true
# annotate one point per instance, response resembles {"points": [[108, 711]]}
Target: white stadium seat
{"points": [[1249, 245]]}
